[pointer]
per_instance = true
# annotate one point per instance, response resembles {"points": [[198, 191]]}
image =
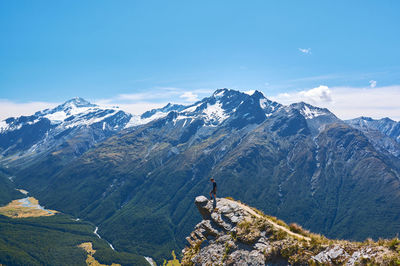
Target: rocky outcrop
{"points": [[232, 233]]}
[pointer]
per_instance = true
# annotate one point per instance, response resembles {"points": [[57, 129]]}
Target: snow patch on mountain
{"points": [[14, 124], [191, 109], [219, 93], [263, 103], [57, 117], [250, 92], [215, 113], [310, 114], [83, 120], [136, 120], [3, 126], [154, 114]]}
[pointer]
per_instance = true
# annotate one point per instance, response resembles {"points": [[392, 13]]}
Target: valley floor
{"points": [[26, 207]]}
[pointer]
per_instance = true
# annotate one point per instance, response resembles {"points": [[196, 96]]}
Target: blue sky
{"points": [[143, 54]]}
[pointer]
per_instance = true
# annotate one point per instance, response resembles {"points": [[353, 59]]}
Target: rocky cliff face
{"points": [[232, 233]]}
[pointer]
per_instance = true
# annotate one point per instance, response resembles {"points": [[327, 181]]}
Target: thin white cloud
{"points": [[305, 50], [189, 96], [372, 83], [14, 109], [350, 102]]}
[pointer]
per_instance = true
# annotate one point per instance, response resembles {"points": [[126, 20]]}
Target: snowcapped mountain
{"points": [[75, 112], [236, 110], [224, 107], [317, 118], [383, 133], [234, 107], [385, 125], [239, 108], [75, 125]]}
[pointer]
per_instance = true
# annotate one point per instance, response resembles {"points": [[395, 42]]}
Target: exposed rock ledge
{"points": [[232, 233]]}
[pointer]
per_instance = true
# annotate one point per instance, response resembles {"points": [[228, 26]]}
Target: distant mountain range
{"points": [[70, 128], [136, 176], [385, 125], [383, 133]]}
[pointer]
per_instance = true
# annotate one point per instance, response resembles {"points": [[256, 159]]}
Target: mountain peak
{"points": [[310, 111], [387, 119], [367, 118], [220, 92], [256, 93], [71, 107], [78, 102]]}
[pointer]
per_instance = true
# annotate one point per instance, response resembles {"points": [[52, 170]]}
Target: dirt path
{"points": [[252, 212]]}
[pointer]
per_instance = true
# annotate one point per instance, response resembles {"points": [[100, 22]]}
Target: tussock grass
{"points": [[295, 228], [90, 260], [173, 262], [191, 252]]}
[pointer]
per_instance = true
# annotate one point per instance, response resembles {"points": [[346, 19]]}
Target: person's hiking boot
{"points": [[211, 198]]}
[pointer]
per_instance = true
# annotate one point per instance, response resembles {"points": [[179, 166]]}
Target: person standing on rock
{"points": [[214, 189]]}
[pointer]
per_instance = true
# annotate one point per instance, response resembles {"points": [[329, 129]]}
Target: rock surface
{"points": [[232, 233]]}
